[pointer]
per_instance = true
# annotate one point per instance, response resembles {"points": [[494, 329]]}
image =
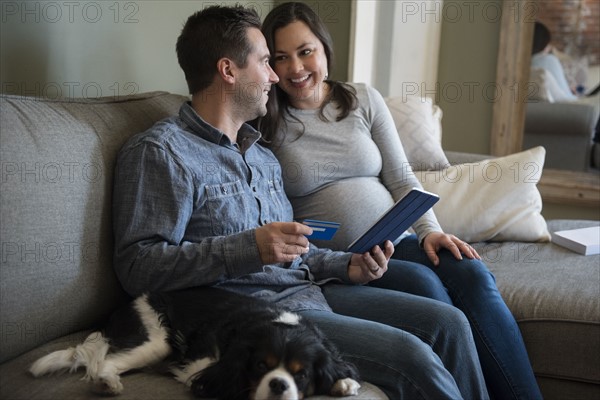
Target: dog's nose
{"points": [[278, 386]]}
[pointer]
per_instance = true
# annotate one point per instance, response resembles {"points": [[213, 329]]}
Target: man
{"points": [[197, 201], [216, 194]]}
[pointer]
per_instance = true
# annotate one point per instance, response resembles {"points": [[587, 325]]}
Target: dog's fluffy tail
{"points": [[90, 354]]}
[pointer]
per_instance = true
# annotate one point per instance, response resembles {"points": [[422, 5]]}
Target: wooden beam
{"points": [[512, 76]]}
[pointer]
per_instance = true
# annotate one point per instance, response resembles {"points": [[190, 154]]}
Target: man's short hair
{"points": [[210, 35]]}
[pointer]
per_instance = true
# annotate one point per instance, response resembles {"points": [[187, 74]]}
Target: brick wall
{"points": [[575, 26]]}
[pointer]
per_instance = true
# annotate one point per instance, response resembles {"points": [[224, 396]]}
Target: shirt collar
{"points": [[247, 135]]}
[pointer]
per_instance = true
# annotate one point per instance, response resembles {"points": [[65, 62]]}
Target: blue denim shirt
{"points": [[186, 204]]}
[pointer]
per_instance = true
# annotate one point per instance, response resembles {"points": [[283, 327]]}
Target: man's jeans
{"points": [[410, 347]]}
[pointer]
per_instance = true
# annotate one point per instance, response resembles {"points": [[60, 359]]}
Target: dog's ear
{"points": [[330, 367], [226, 378]]}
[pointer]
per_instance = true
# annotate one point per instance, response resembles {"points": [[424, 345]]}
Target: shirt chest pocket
{"points": [[281, 209], [231, 208]]}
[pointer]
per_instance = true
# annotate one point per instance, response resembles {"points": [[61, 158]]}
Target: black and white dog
{"points": [[221, 344]]}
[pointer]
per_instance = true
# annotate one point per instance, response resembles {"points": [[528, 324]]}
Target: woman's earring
{"points": [[326, 76]]}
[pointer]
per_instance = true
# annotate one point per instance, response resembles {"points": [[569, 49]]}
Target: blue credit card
{"points": [[322, 230]]}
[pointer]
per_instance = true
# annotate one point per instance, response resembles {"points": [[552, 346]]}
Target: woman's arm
{"points": [[396, 174]]}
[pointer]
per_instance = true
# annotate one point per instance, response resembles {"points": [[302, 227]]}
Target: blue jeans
{"points": [[471, 287], [409, 346]]}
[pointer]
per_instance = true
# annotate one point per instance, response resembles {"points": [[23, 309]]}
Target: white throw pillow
{"points": [[418, 122], [494, 199], [538, 88]]}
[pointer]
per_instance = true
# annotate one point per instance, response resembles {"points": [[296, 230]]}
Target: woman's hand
{"points": [[435, 241], [364, 268]]}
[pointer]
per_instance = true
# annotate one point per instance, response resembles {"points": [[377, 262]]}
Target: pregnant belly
{"points": [[355, 203]]}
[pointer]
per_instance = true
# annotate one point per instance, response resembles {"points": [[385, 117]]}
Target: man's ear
{"points": [[226, 69]]}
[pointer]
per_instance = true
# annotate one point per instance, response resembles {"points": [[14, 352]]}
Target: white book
{"points": [[584, 241]]}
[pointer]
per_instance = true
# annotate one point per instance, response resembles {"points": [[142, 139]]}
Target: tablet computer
{"points": [[396, 220]]}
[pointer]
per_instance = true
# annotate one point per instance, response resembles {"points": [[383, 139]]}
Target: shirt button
{"points": [[224, 190]]}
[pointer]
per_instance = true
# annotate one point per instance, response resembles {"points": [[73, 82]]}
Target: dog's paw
{"points": [[345, 387], [107, 386]]}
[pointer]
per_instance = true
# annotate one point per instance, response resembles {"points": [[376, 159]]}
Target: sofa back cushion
{"points": [[57, 159]]}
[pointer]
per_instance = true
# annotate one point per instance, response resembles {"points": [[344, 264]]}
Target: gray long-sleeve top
{"points": [[350, 171]]}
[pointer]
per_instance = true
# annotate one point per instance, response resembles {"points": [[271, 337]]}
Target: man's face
{"points": [[256, 78]]}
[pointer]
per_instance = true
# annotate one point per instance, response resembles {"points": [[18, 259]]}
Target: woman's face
{"points": [[301, 65]]}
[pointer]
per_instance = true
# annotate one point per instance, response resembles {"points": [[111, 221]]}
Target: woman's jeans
{"points": [[409, 346], [471, 287]]}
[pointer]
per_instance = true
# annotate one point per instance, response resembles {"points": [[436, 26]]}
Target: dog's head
{"points": [[279, 359]]}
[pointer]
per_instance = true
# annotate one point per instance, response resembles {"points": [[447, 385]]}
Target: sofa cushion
{"points": [[494, 199], [56, 273], [554, 295]]}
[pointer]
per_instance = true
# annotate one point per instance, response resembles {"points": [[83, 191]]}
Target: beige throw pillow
{"points": [[418, 122], [495, 199]]}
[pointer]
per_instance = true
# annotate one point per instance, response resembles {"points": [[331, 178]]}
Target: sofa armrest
{"points": [[566, 119], [565, 130]]}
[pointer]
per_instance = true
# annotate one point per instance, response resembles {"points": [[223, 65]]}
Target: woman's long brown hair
{"points": [[278, 104]]}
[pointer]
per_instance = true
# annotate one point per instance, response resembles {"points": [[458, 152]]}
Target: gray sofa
{"points": [[57, 282], [566, 131]]}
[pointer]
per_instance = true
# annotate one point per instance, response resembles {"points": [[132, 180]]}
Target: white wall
{"points": [[446, 50], [91, 48], [363, 16], [395, 45], [417, 30]]}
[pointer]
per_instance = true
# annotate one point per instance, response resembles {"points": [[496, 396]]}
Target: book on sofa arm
{"points": [[584, 241], [396, 220]]}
